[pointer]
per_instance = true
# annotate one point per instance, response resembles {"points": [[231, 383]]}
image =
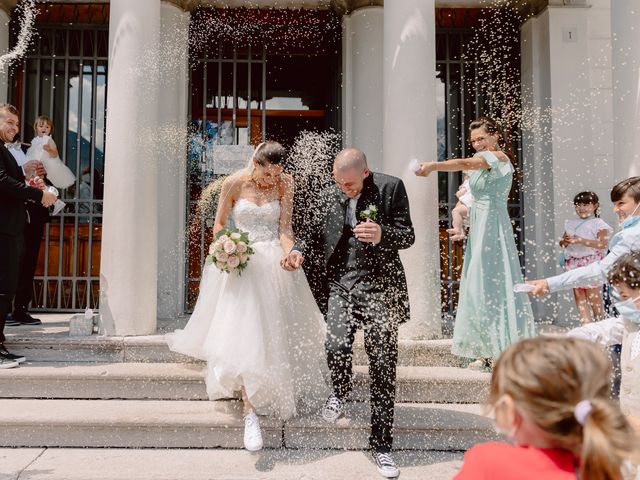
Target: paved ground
{"points": [[130, 464]]}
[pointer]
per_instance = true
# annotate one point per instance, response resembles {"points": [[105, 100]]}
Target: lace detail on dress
{"points": [[261, 222]]}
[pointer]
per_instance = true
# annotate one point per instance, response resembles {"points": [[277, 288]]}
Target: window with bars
{"points": [[64, 76]]}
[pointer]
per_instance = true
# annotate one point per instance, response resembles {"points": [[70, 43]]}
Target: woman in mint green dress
{"points": [[490, 316]]}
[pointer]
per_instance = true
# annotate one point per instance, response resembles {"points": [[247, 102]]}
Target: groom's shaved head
{"points": [[350, 159], [349, 171]]}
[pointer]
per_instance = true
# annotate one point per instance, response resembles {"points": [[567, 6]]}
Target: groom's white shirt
{"points": [[351, 211]]}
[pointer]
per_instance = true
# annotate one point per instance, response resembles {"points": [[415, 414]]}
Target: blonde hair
{"points": [[547, 378], [43, 119]]}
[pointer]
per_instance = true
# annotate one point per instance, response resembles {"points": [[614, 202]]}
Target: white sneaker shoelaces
{"points": [[385, 465], [332, 409]]}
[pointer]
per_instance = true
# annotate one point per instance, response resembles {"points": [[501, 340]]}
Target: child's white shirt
{"points": [[587, 229]]}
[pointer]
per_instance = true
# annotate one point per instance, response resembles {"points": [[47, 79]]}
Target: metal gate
{"points": [[64, 76]]}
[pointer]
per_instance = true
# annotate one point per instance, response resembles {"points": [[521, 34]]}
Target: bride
{"points": [[261, 332]]}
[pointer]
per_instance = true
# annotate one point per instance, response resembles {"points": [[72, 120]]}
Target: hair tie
{"points": [[582, 409], [260, 145]]}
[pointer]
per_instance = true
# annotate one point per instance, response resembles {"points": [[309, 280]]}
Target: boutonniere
{"points": [[371, 213]]}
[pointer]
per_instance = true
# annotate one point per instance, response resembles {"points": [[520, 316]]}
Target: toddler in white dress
{"points": [[44, 149], [460, 213]]}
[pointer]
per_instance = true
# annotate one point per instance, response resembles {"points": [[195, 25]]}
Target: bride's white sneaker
{"points": [[252, 433]]}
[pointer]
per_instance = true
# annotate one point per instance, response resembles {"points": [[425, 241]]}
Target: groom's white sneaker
{"points": [[252, 433], [333, 408], [385, 464]]}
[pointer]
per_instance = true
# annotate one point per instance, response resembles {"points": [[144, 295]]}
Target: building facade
{"points": [[149, 96]]}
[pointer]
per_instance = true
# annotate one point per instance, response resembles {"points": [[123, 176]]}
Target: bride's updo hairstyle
{"points": [[269, 152]]}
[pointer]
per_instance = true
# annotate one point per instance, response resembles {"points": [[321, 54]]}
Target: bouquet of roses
{"points": [[230, 251]]}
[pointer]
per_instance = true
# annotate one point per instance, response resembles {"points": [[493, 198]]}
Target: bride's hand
{"points": [[292, 261]]}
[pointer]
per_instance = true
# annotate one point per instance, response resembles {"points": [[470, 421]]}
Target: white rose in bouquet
{"points": [[229, 246], [235, 236], [243, 258], [221, 265]]}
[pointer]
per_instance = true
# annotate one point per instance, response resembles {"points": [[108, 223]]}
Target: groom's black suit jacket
{"points": [[377, 267], [13, 195]]}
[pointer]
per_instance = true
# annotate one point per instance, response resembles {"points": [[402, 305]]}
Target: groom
{"points": [[366, 287]]}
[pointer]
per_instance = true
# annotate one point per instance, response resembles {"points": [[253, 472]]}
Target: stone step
{"points": [[50, 342], [184, 381], [153, 349], [221, 464], [187, 424]]}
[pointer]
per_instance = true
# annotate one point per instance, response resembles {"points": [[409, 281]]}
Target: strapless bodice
{"points": [[261, 222]]}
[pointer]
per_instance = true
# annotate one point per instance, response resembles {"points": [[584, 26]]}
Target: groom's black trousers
{"points": [[347, 311]]}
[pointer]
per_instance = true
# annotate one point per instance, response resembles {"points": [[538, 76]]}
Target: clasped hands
{"points": [[570, 240]]}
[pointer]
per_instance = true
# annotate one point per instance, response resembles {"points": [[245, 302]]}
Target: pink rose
{"points": [[229, 246], [222, 257], [221, 265], [233, 261], [223, 239], [212, 249], [241, 247]]}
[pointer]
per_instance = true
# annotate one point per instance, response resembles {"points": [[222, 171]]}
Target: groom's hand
{"points": [[368, 231], [292, 261]]}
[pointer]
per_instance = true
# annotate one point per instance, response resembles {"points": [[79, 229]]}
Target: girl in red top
{"points": [[551, 400]]}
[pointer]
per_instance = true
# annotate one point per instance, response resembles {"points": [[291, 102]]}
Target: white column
{"points": [[625, 33], [128, 271], [566, 147], [172, 138], [4, 48], [362, 67], [409, 130]]}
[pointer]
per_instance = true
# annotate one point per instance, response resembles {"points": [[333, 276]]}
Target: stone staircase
{"points": [[133, 392]]}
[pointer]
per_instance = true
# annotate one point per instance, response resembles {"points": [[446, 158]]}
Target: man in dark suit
{"points": [[14, 192], [365, 287], [37, 217]]}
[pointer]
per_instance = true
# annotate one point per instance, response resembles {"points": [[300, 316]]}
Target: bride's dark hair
{"points": [[270, 152]]}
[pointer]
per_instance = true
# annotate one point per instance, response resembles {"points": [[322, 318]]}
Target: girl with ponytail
{"points": [[550, 397]]}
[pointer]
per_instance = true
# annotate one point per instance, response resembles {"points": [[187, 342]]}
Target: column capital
{"points": [[345, 7], [531, 8]]}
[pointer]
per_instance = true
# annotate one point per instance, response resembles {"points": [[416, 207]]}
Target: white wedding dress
{"points": [[261, 329]]}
